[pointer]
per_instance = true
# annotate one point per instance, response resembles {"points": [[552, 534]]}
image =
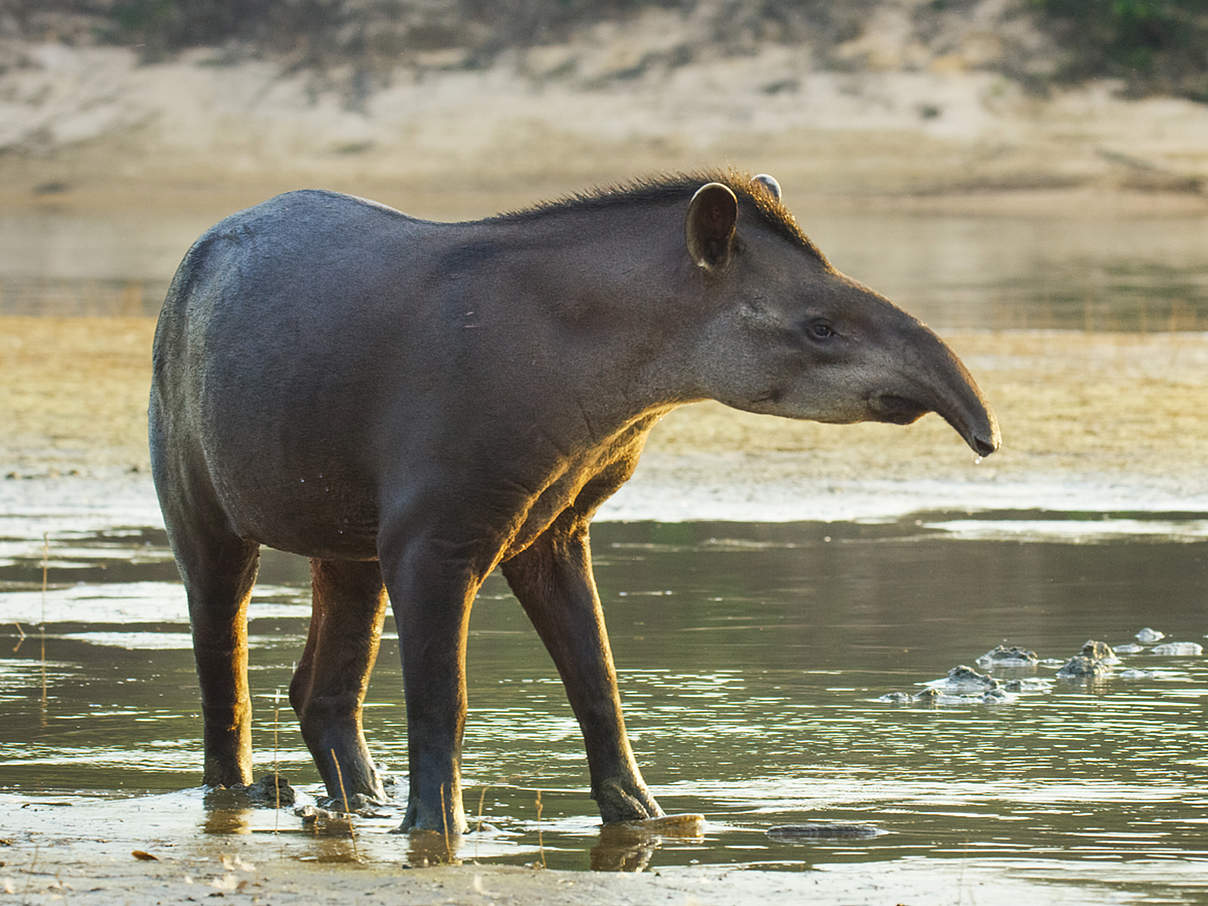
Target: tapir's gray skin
{"points": [[412, 404]]}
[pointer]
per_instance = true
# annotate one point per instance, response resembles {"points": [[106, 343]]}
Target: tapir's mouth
{"points": [[897, 410]]}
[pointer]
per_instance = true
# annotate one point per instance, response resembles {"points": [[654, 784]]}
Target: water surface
{"points": [[752, 659]]}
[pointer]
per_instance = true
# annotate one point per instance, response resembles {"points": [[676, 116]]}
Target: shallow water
{"points": [[752, 660], [1130, 273]]}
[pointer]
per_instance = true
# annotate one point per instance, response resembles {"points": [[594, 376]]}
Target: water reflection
{"points": [[752, 659]]}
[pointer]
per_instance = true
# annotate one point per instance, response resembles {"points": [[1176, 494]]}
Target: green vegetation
{"points": [[1156, 45]]}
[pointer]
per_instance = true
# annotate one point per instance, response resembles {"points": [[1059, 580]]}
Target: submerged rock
{"points": [[1129, 648], [927, 696], [1149, 636], [1083, 667], [894, 698], [1002, 656], [1179, 649], [964, 677], [788, 833]]}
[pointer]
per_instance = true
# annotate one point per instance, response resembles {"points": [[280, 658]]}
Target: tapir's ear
{"points": [[709, 229], [769, 183]]}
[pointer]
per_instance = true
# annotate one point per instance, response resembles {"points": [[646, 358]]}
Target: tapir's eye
{"points": [[820, 330]]}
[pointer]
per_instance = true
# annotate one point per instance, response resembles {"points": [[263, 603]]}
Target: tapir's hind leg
{"points": [[553, 580], [328, 688], [219, 571]]}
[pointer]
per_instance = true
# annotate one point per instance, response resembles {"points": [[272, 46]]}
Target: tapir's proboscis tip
{"points": [[978, 424], [990, 441], [978, 427]]}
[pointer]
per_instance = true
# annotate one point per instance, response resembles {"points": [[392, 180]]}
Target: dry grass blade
{"points": [[42, 626], [344, 796]]}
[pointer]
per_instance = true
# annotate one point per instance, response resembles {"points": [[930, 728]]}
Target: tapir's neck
{"points": [[604, 301]]}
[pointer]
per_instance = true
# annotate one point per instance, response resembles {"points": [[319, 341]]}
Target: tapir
{"points": [[411, 404]]}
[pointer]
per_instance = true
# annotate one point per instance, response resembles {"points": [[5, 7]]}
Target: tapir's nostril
{"points": [[985, 445]]}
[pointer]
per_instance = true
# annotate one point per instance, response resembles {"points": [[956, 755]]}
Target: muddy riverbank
{"points": [[245, 869]]}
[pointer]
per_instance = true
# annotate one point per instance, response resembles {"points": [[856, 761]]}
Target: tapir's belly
{"points": [[312, 512], [310, 505]]}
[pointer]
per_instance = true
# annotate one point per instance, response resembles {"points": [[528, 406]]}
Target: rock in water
{"points": [[789, 833], [1082, 667], [1179, 649], [963, 677], [1002, 656]]}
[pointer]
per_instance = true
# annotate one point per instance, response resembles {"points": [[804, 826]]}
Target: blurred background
{"points": [[145, 120], [991, 165]]}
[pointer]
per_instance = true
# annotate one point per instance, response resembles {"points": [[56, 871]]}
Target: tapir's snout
{"points": [[937, 381], [959, 401]]}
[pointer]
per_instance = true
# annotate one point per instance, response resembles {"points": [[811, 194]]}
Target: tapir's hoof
{"points": [[420, 819], [620, 800]]}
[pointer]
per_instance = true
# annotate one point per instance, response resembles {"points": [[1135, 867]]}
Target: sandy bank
{"points": [[94, 128]]}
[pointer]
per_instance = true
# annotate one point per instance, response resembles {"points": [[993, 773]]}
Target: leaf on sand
{"points": [[143, 856]]}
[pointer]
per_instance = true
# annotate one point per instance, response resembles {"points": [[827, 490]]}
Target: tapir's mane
{"points": [[675, 187]]}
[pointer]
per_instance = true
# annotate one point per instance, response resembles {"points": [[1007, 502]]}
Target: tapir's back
{"points": [[283, 335]]}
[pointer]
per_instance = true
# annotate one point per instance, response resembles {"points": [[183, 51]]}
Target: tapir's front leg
{"points": [[554, 582], [431, 591]]}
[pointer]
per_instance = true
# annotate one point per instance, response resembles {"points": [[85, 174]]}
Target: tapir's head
{"points": [[790, 335]]}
